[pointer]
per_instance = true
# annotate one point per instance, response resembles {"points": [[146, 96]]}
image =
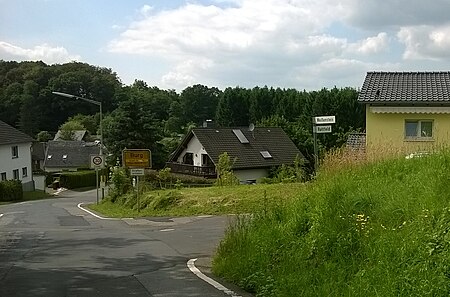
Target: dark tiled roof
{"points": [[406, 87], [78, 135], [38, 151], [246, 155], [356, 141], [78, 154], [10, 135]]}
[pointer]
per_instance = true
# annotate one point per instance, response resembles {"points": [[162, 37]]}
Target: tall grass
{"points": [[373, 229]]}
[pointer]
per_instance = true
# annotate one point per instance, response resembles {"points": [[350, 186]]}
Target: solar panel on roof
{"points": [[240, 136]]}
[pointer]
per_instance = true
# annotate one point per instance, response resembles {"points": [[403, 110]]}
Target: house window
{"points": [[16, 174], [3, 175], [15, 151], [188, 159], [24, 172], [415, 129], [206, 160]]}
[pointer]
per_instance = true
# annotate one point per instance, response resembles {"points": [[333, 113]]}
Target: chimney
{"points": [[208, 124]]}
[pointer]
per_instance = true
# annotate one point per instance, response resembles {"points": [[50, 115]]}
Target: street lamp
{"points": [[98, 103]]}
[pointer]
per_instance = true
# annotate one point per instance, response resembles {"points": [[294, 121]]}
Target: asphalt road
{"points": [[53, 248]]}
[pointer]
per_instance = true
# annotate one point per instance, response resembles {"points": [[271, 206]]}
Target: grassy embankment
{"points": [[197, 201], [374, 230]]}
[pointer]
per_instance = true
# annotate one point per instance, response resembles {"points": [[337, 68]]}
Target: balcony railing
{"points": [[204, 171]]}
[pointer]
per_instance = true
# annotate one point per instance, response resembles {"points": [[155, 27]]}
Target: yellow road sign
{"points": [[136, 158]]}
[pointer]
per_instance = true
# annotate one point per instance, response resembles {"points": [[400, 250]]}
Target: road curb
{"points": [[215, 284]]}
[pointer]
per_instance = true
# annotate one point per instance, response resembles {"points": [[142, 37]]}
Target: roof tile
{"points": [[246, 155], [10, 135], [403, 87]]}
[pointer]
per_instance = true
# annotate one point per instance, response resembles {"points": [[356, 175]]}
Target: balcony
{"points": [[203, 171]]}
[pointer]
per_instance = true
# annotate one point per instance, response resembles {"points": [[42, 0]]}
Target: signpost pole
{"points": [[96, 182], [320, 126], [316, 150], [137, 196]]}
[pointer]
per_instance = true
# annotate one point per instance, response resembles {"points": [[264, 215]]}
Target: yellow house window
{"points": [[418, 129]]}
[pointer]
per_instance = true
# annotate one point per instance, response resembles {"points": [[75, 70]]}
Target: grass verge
{"points": [[376, 230], [35, 195], [197, 201]]}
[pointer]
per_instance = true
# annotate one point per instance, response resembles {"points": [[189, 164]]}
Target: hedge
{"points": [[78, 179], [11, 190]]}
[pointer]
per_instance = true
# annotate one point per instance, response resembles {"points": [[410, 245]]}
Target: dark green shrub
{"points": [[78, 179], [11, 190], [121, 181]]}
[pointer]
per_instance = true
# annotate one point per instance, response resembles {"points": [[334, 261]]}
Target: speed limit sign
{"points": [[97, 161]]}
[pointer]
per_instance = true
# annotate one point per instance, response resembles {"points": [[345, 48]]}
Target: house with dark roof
{"points": [[406, 111], [253, 153], [38, 155], [68, 155], [77, 135], [15, 156]]}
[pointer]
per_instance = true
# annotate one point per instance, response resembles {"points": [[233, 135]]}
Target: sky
{"points": [[172, 44]]}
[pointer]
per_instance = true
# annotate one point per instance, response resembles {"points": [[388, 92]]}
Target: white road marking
{"points": [[14, 212], [167, 230], [199, 274]]}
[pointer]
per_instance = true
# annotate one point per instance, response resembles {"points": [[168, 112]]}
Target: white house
{"points": [[15, 156], [252, 152]]}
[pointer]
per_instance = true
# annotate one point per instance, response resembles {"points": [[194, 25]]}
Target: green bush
{"points": [[121, 181], [11, 190], [381, 230], [78, 179]]}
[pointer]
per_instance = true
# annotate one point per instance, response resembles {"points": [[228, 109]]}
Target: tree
{"points": [[68, 129], [89, 122], [134, 126], [198, 103], [43, 136], [225, 175], [233, 108]]}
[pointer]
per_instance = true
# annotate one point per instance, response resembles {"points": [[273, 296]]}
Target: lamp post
{"points": [[99, 104]]}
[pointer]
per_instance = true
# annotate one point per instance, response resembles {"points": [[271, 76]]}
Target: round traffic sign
{"points": [[97, 160]]}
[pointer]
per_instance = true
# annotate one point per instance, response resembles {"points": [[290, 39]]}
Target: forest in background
{"points": [[143, 116]]}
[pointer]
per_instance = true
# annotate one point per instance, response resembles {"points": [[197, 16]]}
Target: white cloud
{"points": [[251, 38], [194, 27], [43, 52], [186, 73], [277, 42], [371, 45], [376, 13], [145, 10], [425, 42]]}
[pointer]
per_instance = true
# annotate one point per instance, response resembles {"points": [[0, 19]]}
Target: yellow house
{"points": [[406, 112]]}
